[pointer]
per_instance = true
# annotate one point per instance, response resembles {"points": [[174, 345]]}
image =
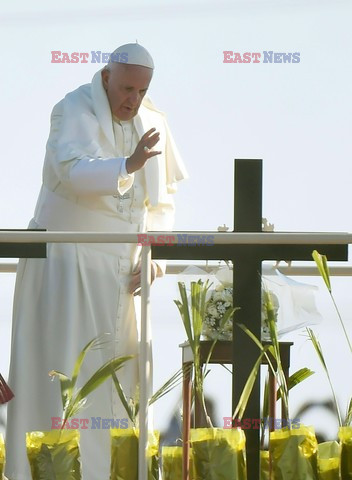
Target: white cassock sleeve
{"points": [[99, 176], [125, 179], [75, 153]]}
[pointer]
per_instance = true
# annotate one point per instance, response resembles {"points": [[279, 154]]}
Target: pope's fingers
{"points": [[153, 140], [152, 153], [135, 282], [148, 133], [134, 286], [150, 138]]}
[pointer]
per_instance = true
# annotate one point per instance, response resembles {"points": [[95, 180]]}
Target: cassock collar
{"points": [[102, 107], [103, 112], [104, 116], [161, 173]]}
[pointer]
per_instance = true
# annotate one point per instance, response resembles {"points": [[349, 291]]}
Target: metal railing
{"points": [[260, 238], [219, 238], [175, 269]]}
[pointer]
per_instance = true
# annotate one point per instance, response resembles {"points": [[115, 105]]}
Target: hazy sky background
{"points": [[296, 117]]}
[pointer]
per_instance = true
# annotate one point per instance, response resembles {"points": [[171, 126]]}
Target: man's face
{"points": [[125, 87]]}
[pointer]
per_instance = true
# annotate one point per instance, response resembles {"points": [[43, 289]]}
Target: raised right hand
{"points": [[141, 155]]}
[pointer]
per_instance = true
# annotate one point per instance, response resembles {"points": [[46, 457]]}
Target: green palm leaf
{"points": [[348, 419], [296, 378], [265, 350], [93, 344], [132, 406], [322, 264], [65, 386], [126, 404], [265, 411], [184, 311], [247, 389], [170, 384], [319, 352], [102, 374], [280, 374], [74, 409], [193, 314]]}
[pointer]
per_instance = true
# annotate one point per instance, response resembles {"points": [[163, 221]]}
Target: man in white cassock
{"points": [[101, 173]]}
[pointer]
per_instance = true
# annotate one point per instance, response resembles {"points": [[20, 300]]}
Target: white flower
{"points": [[221, 307], [218, 296], [228, 298], [211, 310]]}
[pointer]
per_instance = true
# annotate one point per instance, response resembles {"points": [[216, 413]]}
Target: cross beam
{"points": [[247, 261], [22, 250]]}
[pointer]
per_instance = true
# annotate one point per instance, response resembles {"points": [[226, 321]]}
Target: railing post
{"points": [[144, 363]]}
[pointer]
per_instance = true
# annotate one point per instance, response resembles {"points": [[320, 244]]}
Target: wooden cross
{"points": [[247, 261], [18, 250]]}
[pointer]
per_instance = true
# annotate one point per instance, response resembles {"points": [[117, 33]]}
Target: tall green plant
{"points": [[319, 352], [323, 268], [193, 314], [273, 357], [274, 337], [132, 405], [322, 264], [74, 399]]}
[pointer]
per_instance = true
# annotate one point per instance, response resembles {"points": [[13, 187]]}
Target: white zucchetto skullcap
{"points": [[132, 54]]}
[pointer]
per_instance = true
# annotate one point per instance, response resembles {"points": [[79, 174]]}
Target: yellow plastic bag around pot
{"points": [[219, 454], [172, 463], [264, 465], [345, 436], [294, 454], [2, 457], [124, 454], [329, 461], [54, 455]]}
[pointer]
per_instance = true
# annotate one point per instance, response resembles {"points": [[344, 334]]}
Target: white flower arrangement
{"points": [[294, 302], [221, 300]]}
